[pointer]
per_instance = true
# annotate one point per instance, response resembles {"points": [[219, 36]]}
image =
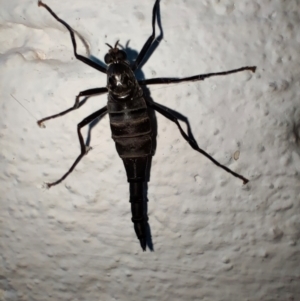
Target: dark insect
{"points": [[127, 107]]}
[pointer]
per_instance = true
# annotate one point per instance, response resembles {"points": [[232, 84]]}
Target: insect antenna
{"points": [[113, 48]]}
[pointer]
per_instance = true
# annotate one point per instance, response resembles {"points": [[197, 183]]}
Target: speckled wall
{"points": [[213, 237]]}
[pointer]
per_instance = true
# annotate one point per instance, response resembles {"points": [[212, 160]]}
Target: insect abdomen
{"points": [[130, 127], [131, 131]]}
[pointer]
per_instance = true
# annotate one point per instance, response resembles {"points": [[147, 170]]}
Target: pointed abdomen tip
{"points": [[143, 243]]}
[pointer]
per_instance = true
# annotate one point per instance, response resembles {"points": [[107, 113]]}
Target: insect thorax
{"points": [[121, 81]]}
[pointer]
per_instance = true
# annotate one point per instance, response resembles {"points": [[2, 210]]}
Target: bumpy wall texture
{"points": [[213, 237]]}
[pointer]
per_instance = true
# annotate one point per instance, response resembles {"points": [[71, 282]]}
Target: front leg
{"points": [[71, 31]]}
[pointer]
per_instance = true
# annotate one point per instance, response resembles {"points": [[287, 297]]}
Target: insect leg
{"points": [[150, 40], [165, 112], [71, 31], [170, 80], [77, 104], [84, 149]]}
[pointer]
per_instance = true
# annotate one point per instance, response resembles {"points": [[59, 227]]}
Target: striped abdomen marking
{"points": [[130, 127]]}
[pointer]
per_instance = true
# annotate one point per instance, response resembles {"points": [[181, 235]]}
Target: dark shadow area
{"points": [[293, 130], [149, 241], [131, 53], [153, 122], [154, 45], [97, 61], [91, 126]]}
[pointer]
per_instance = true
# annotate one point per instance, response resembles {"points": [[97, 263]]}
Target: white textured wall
{"points": [[214, 238]]}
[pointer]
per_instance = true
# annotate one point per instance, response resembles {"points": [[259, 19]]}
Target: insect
{"points": [[127, 107]]}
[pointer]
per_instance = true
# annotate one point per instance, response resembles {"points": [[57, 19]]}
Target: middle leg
{"points": [[90, 92]]}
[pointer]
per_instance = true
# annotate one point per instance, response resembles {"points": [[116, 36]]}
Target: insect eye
{"points": [[121, 55], [127, 81], [112, 81], [107, 58]]}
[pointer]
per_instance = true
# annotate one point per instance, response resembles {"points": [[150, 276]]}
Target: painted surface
{"points": [[214, 239]]}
